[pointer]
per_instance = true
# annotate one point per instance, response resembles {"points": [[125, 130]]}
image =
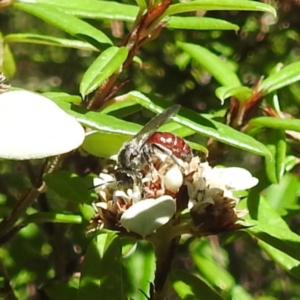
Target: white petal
{"points": [[120, 194], [106, 177], [146, 216], [100, 205], [103, 179], [173, 179], [33, 126], [231, 178]]}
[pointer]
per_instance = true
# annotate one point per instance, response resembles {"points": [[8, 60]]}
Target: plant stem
{"points": [[164, 245], [7, 224]]}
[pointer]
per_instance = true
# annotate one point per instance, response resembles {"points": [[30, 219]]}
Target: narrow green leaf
{"points": [[203, 256], [238, 292], [270, 163], [205, 126], [107, 63], [101, 272], [219, 5], [276, 142], [86, 210], [242, 93], [276, 123], [97, 120], [142, 4], [208, 270], [290, 162], [47, 40], [177, 129], [284, 196], [285, 261], [94, 141], [219, 69], [198, 147], [137, 280], [9, 65], [284, 77], [69, 186], [42, 217], [281, 146], [111, 131], [120, 106], [94, 9], [62, 290], [63, 97], [197, 23], [188, 286], [198, 123], [268, 221], [276, 238], [65, 22]]}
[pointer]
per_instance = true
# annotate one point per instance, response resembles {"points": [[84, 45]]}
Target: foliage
{"points": [[235, 69]]}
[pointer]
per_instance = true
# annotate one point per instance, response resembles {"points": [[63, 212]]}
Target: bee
{"points": [[137, 152]]}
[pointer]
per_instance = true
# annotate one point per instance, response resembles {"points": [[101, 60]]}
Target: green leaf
{"points": [[113, 142], [204, 126], [51, 217], [208, 269], [62, 290], [198, 147], [107, 63], [284, 196], [219, 69], [188, 286], [281, 146], [275, 237], [197, 23], [276, 123], [69, 186], [276, 142], [9, 65], [137, 280], [65, 22], [101, 272], [97, 120], [204, 258], [238, 292], [284, 77], [94, 9], [47, 40], [63, 97], [285, 261], [219, 5], [290, 162], [198, 123], [120, 106], [142, 4], [87, 211], [111, 132], [242, 93]]}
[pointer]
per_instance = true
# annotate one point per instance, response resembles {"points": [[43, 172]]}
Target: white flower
{"points": [[232, 179], [147, 215], [206, 181], [105, 186], [152, 203], [33, 126]]}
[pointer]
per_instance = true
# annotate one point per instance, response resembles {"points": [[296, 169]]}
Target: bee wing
{"points": [[143, 135]]}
